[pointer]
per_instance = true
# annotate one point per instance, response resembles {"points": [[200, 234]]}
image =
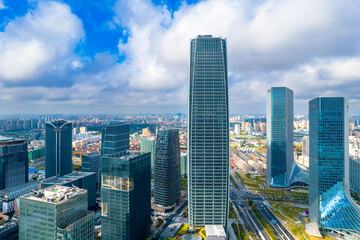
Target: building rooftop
{"points": [[10, 140], [215, 231], [67, 178], [54, 194]]}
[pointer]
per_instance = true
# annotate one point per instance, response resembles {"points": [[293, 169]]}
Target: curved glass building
{"points": [[58, 151], [167, 175], [330, 204], [208, 132], [282, 171]]}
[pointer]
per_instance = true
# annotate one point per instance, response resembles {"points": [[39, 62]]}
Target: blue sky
{"points": [[116, 56]]}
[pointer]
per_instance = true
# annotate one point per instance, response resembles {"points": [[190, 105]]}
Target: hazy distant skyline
{"points": [[77, 56]]}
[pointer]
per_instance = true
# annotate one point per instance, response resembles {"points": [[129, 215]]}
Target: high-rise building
{"points": [[125, 195], [115, 139], [237, 129], [58, 151], [14, 164], [305, 146], [148, 144], [56, 212], [184, 157], [84, 180], [280, 137], [208, 132], [330, 204], [167, 174], [90, 162], [354, 165]]}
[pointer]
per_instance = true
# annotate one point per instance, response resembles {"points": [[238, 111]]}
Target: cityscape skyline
{"points": [[93, 62]]}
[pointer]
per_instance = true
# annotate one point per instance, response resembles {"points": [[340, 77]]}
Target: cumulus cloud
{"points": [[35, 43], [2, 6]]}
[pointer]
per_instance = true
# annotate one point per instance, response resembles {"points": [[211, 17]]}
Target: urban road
{"points": [[239, 198]]}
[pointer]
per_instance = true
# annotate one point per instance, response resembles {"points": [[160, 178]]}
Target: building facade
{"points": [[330, 204], [184, 158], [115, 139], [148, 144], [14, 164], [125, 195], [354, 175], [280, 138], [56, 212], [167, 174], [58, 151], [208, 132], [90, 162]]}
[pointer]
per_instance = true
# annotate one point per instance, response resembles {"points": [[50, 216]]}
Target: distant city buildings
{"points": [[58, 152], [330, 204], [115, 139], [208, 133], [14, 164], [56, 212], [167, 174], [125, 195]]}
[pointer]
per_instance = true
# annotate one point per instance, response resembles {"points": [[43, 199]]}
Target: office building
{"points": [[330, 204], [90, 162], [184, 157], [85, 180], [148, 144], [58, 148], [237, 129], [115, 139], [354, 165], [208, 133], [125, 195], [167, 174], [282, 171], [305, 146], [14, 164], [56, 212]]}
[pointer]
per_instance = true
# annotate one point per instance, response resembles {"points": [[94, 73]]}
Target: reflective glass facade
{"points": [[115, 139], [330, 204], [167, 181], [125, 195], [14, 164], [90, 162], [280, 127], [58, 151], [148, 145], [355, 175], [66, 219], [208, 132]]}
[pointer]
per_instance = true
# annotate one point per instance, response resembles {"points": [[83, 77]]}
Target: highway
{"points": [[239, 197]]}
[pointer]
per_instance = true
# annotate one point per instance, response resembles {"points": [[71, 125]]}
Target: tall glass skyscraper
{"points": [[330, 204], [208, 132], [148, 144], [14, 164], [115, 139], [90, 162], [167, 181], [280, 138], [56, 212], [125, 195], [58, 151]]}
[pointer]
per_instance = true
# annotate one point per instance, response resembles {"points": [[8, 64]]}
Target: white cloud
{"points": [[2, 6], [33, 44]]}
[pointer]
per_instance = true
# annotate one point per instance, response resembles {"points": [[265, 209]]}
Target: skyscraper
{"points": [[208, 132], [58, 151], [280, 138], [167, 181], [90, 162], [115, 139], [14, 164], [148, 144], [330, 204], [56, 212], [125, 195]]}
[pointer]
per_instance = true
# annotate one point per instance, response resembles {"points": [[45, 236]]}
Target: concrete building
{"points": [[215, 232], [237, 129], [58, 151], [14, 164], [125, 195], [56, 212], [184, 158], [85, 180], [208, 132], [330, 204], [167, 174], [115, 139]]}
